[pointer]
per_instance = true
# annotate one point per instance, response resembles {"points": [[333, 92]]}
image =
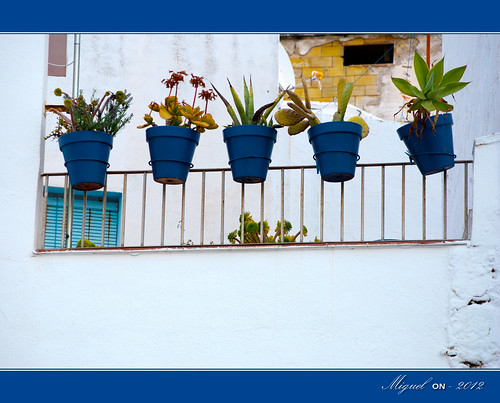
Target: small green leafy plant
{"points": [[246, 113], [86, 244], [251, 232], [107, 114], [299, 116], [434, 85], [180, 113]]}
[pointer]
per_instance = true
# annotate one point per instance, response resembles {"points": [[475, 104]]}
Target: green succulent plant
{"points": [[434, 85], [251, 231], [180, 113], [86, 243], [246, 110], [107, 114], [299, 116]]}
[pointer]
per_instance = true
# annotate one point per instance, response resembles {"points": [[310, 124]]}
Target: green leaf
{"points": [[306, 93], [298, 128], [421, 70], [453, 75], [428, 105], [448, 90], [406, 88], [239, 105], [429, 86], [229, 108], [288, 117], [344, 101], [438, 70], [416, 105], [442, 106]]}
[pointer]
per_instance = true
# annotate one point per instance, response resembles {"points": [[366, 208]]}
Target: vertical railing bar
{"points": [[183, 211], [445, 205], [302, 204], [466, 200], [71, 202], [143, 216], [222, 201], [424, 218], [242, 212], [282, 206], [262, 212], [403, 202], [342, 212], [163, 209], [321, 209], [65, 202], [202, 218], [124, 206], [84, 213], [362, 203], [382, 203], [45, 211], [104, 201]]}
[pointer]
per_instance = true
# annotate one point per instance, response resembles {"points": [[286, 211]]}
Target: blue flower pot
{"points": [[249, 148], [335, 146], [86, 156], [433, 150], [171, 149]]}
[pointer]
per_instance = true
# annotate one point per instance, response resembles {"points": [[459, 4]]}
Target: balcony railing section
{"points": [[388, 202]]}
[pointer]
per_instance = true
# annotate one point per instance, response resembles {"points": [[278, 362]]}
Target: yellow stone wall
{"points": [[373, 90]]}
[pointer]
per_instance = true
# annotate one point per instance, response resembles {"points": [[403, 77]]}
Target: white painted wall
{"points": [[475, 114], [313, 307]]}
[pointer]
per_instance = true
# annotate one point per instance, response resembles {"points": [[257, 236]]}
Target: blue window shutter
{"points": [[93, 218]]}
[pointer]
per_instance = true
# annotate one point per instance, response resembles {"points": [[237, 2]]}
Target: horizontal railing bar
{"points": [[271, 168], [250, 245]]}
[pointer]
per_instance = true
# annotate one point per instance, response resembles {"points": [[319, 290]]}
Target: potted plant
{"points": [[336, 143], [85, 131], [429, 139], [251, 232], [249, 139], [172, 145]]}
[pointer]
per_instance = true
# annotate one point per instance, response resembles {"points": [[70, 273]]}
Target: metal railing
{"points": [[386, 202]]}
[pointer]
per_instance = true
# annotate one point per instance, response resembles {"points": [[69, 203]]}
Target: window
{"points": [[93, 218], [368, 54]]}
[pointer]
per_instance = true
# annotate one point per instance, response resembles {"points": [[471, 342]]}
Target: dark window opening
{"points": [[368, 54]]}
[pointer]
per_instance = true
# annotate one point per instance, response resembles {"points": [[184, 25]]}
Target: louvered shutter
{"points": [[93, 218]]}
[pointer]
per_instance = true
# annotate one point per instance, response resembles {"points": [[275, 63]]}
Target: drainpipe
{"points": [[75, 91], [428, 51]]}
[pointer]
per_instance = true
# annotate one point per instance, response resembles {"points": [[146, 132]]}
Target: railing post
{"points": [[445, 205], [104, 200], [302, 204], [124, 208], [403, 202], [222, 201], [163, 209], [242, 214], [202, 214], [282, 207]]}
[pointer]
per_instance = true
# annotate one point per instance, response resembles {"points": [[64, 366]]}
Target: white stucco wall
{"points": [[429, 306]]}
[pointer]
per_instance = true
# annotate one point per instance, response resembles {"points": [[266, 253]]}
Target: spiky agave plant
{"points": [[246, 113], [434, 86], [299, 116]]}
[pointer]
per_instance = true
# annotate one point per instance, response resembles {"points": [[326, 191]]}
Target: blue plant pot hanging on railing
{"points": [[432, 151], [249, 148], [86, 156], [171, 149], [336, 146]]}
